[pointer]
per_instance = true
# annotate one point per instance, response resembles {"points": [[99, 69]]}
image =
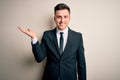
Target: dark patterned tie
{"points": [[61, 42]]}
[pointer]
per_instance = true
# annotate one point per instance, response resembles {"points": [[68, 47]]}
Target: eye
{"points": [[65, 16], [58, 16]]}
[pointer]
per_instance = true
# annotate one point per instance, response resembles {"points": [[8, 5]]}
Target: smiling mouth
{"points": [[62, 23]]}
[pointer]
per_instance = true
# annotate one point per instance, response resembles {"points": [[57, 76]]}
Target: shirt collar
{"points": [[65, 31]]}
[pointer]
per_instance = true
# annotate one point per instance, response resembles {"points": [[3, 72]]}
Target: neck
{"points": [[62, 29]]}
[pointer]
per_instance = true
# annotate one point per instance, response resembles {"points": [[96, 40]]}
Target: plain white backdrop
{"points": [[97, 20]]}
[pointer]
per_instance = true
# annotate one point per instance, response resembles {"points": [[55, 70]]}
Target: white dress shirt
{"points": [[65, 36]]}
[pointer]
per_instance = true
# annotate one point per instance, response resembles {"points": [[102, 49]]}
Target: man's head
{"points": [[62, 15], [61, 6]]}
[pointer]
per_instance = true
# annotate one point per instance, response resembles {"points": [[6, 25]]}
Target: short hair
{"points": [[61, 6]]}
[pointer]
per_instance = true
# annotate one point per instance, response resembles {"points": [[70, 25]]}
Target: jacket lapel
{"points": [[56, 44]]}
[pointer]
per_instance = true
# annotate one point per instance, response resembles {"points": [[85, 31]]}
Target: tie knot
{"points": [[61, 33]]}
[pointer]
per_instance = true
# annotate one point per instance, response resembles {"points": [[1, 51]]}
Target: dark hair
{"points": [[61, 6]]}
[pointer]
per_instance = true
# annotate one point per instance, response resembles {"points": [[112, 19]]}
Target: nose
{"points": [[62, 19]]}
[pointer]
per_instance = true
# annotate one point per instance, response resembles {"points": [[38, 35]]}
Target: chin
{"points": [[62, 28]]}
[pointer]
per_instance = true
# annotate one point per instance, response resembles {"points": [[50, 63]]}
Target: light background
{"points": [[97, 20]]}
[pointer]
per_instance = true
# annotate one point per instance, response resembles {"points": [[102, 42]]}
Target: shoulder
{"points": [[76, 36], [49, 33], [75, 33]]}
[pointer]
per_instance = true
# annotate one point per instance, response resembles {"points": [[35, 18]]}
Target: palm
{"points": [[28, 32]]}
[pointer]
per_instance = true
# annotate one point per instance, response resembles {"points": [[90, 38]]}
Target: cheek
{"points": [[68, 20], [57, 20]]}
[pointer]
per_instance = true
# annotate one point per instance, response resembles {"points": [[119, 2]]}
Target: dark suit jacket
{"points": [[65, 66]]}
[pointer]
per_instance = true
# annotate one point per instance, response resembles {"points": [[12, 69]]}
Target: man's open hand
{"points": [[28, 32]]}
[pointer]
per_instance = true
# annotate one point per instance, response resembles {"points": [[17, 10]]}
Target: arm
{"points": [[81, 65], [39, 50]]}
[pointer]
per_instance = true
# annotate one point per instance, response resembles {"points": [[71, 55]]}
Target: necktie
{"points": [[61, 43]]}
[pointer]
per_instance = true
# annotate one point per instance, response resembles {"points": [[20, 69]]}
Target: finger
{"points": [[28, 30], [21, 29]]}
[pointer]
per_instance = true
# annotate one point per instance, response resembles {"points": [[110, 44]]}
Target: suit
{"points": [[65, 66]]}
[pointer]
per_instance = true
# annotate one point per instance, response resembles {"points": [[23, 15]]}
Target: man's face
{"points": [[62, 18]]}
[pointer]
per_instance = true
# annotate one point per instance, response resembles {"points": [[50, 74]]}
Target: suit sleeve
{"points": [[81, 63], [39, 50]]}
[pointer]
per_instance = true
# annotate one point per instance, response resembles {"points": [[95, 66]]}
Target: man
{"points": [[63, 48]]}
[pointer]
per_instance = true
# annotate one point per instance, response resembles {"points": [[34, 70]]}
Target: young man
{"points": [[63, 48]]}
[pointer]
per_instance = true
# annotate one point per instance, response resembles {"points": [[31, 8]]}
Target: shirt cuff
{"points": [[34, 40]]}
